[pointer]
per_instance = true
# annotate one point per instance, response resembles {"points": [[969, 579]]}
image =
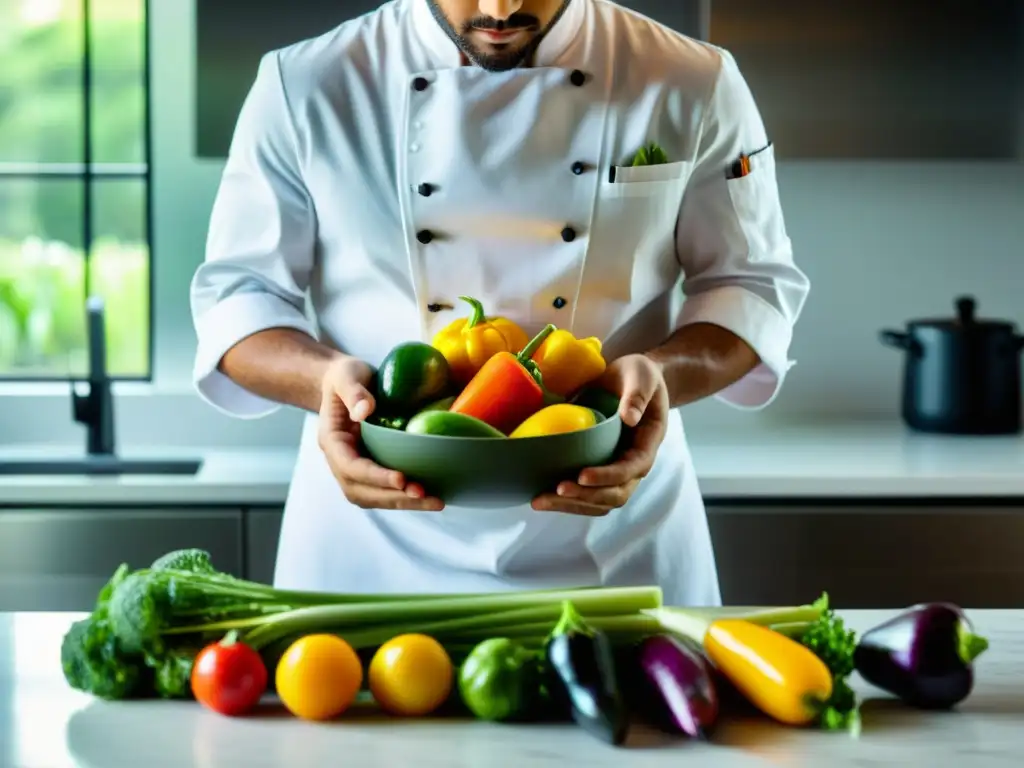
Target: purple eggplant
{"points": [[680, 691], [924, 656]]}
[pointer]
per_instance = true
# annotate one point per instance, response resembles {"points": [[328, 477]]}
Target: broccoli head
{"points": [[93, 661], [191, 560], [174, 673], [105, 594], [139, 609]]}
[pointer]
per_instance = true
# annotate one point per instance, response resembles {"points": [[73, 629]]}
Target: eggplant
{"points": [[586, 684], [682, 696], [924, 656]]}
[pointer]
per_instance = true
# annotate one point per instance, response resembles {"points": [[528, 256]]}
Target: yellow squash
{"points": [[566, 363], [469, 342], [781, 677], [556, 420]]}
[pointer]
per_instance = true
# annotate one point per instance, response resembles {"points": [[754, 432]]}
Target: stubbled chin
{"points": [[498, 59]]}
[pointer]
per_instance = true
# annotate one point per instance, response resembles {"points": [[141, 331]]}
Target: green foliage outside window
{"points": [[42, 259]]}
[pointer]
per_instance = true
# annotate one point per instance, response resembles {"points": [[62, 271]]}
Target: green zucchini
{"points": [[449, 424]]}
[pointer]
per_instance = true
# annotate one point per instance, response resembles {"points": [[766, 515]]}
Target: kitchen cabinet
{"points": [[879, 555], [59, 559], [262, 529], [877, 79]]}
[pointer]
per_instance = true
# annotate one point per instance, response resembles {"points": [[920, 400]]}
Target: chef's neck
{"points": [[498, 35]]}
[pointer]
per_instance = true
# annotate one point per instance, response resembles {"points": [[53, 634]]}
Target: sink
{"points": [[99, 465]]}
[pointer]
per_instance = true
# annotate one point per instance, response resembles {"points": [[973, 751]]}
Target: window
{"points": [[74, 185]]}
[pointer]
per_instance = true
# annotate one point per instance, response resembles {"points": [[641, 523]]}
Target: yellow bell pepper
{"points": [[469, 342], [556, 420], [566, 363]]}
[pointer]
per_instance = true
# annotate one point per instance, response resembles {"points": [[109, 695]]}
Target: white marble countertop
{"points": [[44, 724], [843, 460]]}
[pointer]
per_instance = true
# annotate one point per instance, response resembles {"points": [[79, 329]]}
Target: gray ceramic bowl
{"points": [[491, 472]]}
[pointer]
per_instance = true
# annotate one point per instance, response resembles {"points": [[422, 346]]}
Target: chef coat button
{"points": [[577, 78], [424, 236], [426, 190], [568, 234], [558, 303], [420, 83], [578, 168]]}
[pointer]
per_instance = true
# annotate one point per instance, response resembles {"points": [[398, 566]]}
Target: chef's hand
{"points": [[347, 402], [644, 406]]}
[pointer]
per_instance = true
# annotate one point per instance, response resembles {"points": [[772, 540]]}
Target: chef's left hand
{"points": [[644, 406]]}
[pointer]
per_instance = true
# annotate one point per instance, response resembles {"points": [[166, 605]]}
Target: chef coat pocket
{"points": [[633, 240], [756, 205], [642, 180]]}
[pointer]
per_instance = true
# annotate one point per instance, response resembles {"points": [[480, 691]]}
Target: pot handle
{"points": [[895, 339], [900, 340]]}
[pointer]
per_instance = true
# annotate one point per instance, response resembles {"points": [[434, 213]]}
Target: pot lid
{"points": [[966, 318]]}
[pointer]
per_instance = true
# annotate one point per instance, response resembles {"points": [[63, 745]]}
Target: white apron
{"points": [[374, 172]]}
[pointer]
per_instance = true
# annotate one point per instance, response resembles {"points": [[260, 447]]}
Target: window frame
{"points": [[87, 172]]}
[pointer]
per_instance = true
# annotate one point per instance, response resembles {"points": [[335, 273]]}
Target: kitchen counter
{"points": [[44, 724], [843, 460]]}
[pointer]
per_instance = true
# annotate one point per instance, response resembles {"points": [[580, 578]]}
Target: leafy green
{"points": [[833, 643], [651, 154]]}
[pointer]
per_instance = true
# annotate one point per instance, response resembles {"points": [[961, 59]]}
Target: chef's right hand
{"points": [[346, 402]]}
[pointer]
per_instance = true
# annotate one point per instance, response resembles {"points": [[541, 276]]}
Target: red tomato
{"points": [[229, 677]]}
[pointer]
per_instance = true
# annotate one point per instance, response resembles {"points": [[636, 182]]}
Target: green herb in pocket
{"points": [[652, 154]]}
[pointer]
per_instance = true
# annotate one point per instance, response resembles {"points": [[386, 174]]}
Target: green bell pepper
{"points": [[502, 680]]}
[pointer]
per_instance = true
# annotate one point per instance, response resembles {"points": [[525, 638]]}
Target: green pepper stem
{"points": [[571, 622], [970, 646], [478, 316], [531, 349], [537, 376]]}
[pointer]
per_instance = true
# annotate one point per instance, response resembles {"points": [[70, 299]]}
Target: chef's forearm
{"points": [[702, 359], [280, 364]]}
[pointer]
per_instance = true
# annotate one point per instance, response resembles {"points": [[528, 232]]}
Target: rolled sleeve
{"points": [[260, 247], [223, 325], [736, 256]]}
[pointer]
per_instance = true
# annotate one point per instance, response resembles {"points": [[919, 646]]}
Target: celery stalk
{"points": [[793, 629], [525, 624], [264, 630], [693, 623], [631, 624]]}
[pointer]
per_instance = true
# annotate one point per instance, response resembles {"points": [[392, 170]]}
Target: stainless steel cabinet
{"points": [[262, 529], [58, 560], [869, 556]]}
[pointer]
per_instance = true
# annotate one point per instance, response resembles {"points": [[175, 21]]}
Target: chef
{"points": [[438, 148]]}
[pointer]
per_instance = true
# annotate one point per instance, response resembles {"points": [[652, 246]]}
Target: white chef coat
{"points": [[375, 175]]}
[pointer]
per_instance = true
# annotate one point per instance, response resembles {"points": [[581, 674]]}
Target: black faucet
{"points": [[96, 410]]}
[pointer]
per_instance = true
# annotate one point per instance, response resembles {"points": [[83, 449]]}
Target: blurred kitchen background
{"points": [[899, 129]]}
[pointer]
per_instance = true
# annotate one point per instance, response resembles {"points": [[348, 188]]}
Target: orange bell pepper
{"points": [[469, 342], [507, 390], [778, 675]]}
